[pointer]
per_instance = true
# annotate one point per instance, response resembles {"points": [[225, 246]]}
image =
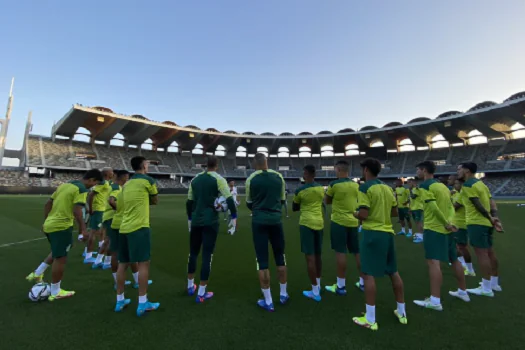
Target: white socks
{"points": [[462, 292], [100, 243], [435, 301], [318, 282], [191, 282], [469, 267], [143, 298], [202, 291], [409, 231], [41, 269], [120, 297], [462, 261], [107, 260], [267, 296], [55, 288], [403, 229], [371, 313], [283, 289], [494, 281], [89, 255], [401, 309], [136, 277], [485, 285], [419, 235], [341, 282], [115, 276], [361, 281], [85, 250], [99, 259], [315, 290]]}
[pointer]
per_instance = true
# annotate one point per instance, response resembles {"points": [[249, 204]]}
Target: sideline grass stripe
{"points": [[21, 242]]}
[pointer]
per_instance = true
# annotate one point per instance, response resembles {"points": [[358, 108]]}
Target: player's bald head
{"points": [[107, 172], [260, 161]]}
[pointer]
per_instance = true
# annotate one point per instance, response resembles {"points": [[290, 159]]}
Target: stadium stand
{"points": [[111, 157], [64, 153], [60, 157], [15, 178]]}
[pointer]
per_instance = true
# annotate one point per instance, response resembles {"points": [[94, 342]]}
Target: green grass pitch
{"points": [[231, 319]]}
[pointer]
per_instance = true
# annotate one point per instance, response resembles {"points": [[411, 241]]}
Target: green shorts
{"points": [[61, 242], [378, 253], [311, 240], [439, 246], [417, 215], [95, 220], [480, 236], [264, 234], [112, 234], [344, 239], [403, 214], [135, 246], [461, 236], [107, 224]]}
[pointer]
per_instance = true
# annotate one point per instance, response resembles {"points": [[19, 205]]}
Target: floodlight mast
{"points": [[4, 123]]}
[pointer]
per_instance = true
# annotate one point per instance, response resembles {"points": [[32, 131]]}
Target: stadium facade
{"points": [[60, 152]]}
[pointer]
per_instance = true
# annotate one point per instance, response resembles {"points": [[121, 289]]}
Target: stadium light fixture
{"points": [[192, 135], [448, 124], [367, 136], [100, 119]]}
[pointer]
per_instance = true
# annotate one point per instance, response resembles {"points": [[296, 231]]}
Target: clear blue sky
{"points": [[273, 65]]}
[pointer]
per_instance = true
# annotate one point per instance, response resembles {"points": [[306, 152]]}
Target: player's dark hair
{"points": [[310, 169], [343, 165], [428, 165], [121, 173], [94, 174], [212, 162], [136, 163], [373, 165], [471, 166], [443, 179]]}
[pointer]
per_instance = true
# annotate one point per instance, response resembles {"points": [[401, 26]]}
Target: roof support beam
{"points": [[416, 138], [483, 127]]}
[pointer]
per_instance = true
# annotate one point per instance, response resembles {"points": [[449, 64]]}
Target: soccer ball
{"points": [[40, 292], [221, 205]]}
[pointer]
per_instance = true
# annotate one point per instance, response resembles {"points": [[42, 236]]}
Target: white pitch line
{"points": [[21, 242]]}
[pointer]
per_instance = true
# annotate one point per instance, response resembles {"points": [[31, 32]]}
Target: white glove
{"points": [[189, 226]]}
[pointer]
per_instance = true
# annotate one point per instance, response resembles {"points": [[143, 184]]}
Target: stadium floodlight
{"points": [[448, 124], [192, 135]]}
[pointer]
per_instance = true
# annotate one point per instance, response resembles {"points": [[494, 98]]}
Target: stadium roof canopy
{"points": [[491, 119]]}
